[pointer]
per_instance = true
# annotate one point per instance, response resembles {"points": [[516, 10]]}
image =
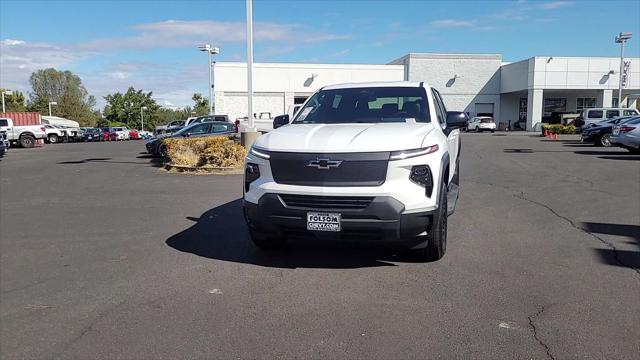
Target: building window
{"points": [[554, 105], [614, 102], [585, 103]]}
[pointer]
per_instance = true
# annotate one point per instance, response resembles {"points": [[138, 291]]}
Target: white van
{"points": [[594, 115]]}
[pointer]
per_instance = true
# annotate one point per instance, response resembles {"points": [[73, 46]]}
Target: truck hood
{"points": [[334, 138]]}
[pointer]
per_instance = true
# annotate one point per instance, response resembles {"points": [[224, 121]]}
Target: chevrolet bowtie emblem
{"points": [[324, 164]]}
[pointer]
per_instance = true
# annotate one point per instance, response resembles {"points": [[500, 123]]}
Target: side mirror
{"points": [[280, 120], [456, 119]]}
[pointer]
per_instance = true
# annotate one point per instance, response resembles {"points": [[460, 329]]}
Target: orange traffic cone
{"points": [[546, 133], [555, 136], [39, 143], [550, 135]]}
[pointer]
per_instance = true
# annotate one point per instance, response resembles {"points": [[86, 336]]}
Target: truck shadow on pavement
{"points": [[221, 234], [154, 161], [616, 256]]}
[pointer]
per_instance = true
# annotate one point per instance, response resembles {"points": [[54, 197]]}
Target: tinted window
{"points": [[4, 122], [200, 129], [612, 113], [365, 105], [219, 128], [629, 112], [595, 114]]}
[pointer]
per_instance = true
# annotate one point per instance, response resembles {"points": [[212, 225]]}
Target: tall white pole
{"points": [[142, 118], [3, 101], [250, 63], [213, 85], [210, 85], [621, 70], [49, 108]]}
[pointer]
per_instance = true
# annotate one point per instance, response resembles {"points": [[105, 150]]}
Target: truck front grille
{"points": [[340, 169], [326, 202]]}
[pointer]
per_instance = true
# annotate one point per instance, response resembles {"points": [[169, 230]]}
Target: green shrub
{"points": [[559, 129], [216, 151]]}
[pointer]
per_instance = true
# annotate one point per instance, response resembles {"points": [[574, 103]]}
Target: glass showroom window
{"points": [[585, 103]]}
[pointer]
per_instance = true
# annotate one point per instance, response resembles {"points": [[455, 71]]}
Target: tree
{"points": [[14, 102], [127, 108], [201, 104], [65, 88]]}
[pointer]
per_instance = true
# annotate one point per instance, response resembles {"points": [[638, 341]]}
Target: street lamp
{"points": [[621, 39], [142, 109], [51, 103], [7, 92], [211, 50]]}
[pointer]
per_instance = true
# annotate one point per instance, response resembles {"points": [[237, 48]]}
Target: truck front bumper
{"points": [[382, 220]]}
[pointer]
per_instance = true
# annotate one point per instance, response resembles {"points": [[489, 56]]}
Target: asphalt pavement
{"points": [[105, 255]]}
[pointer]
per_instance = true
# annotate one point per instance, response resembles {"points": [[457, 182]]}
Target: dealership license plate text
{"points": [[323, 221]]}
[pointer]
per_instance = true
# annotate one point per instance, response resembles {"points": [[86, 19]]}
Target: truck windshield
{"points": [[365, 105]]}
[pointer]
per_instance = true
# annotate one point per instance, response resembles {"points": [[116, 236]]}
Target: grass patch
{"points": [[218, 151]]}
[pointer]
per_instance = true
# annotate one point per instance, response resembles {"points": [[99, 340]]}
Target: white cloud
{"points": [[555, 4], [18, 59], [340, 53], [179, 33], [452, 23], [172, 84], [11, 42]]}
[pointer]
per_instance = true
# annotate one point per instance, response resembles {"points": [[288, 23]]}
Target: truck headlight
{"points": [[421, 175], [251, 174], [406, 154], [262, 154]]}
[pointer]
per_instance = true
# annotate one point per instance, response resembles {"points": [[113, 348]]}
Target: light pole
{"points": [[7, 92], [621, 39], [51, 103], [142, 109], [211, 50]]}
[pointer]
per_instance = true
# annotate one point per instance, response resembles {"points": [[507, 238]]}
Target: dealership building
{"points": [[528, 91]]}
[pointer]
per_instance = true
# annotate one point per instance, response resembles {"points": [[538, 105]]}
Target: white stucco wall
{"points": [[553, 72], [277, 84], [462, 79]]}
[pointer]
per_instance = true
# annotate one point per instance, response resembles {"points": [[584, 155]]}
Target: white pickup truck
{"points": [[25, 136], [371, 161]]}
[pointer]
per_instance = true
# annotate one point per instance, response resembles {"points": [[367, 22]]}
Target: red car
{"points": [[133, 134]]}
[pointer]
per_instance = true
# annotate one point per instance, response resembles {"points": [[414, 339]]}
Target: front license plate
{"points": [[317, 221]]}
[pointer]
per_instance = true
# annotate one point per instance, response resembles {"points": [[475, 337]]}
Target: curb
{"points": [[212, 170]]}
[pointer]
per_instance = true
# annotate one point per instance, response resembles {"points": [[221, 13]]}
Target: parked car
{"points": [[600, 133], [481, 123], [263, 122], [627, 135], [169, 128], [92, 134], [106, 134], [54, 134], [206, 118], [25, 136], [216, 128], [4, 140], [4, 143], [134, 135], [120, 133], [369, 161], [594, 115], [145, 135]]}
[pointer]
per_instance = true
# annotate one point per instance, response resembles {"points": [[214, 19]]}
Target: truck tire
{"points": [[27, 141], [437, 237], [53, 138], [266, 243]]}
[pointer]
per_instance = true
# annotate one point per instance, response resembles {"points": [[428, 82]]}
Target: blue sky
{"points": [[152, 44]]}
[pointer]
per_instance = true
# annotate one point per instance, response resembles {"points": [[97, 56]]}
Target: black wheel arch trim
{"points": [[444, 164]]}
